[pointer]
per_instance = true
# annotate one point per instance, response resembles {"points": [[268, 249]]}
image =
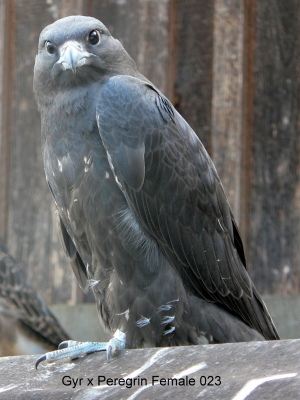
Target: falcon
{"points": [[143, 216], [26, 324]]}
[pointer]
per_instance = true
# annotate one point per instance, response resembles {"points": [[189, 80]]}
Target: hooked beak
{"points": [[72, 56]]}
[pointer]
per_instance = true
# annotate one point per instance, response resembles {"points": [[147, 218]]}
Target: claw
{"points": [[108, 352], [68, 343], [118, 342], [63, 345], [39, 360]]}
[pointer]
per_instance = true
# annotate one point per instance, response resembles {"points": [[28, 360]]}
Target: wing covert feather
{"points": [[73, 256]]}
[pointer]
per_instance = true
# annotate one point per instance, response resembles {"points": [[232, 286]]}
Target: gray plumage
{"points": [[143, 215], [26, 325]]}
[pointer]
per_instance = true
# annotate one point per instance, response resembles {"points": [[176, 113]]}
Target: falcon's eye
{"points": [[50, 47], [94, 37]]}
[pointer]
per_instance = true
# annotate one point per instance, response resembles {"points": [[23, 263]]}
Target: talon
{"points": [[39, 360], [68, 343], [108, 352], [63, 345]]}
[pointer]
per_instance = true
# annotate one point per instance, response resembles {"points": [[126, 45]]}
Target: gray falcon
{"points": [[143, 215]]}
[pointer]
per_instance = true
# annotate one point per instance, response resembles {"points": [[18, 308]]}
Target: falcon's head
{"points": [[76, 50]]}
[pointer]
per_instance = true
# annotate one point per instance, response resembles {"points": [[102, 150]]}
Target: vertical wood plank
{"points": [[64, 8], [247, 120], [3, 191], [227, 103], [275, 185], [194, 66], [171, 73], [6, 81], [142, 26]]}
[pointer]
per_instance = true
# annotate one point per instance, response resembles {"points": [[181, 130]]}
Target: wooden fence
{"points": [[232, 69]]}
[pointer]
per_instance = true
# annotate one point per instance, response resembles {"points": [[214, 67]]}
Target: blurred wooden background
{"points": [[231, 68]]}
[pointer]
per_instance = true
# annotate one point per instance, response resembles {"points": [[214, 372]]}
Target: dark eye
{"points": [[50, 47], [94, 37]]}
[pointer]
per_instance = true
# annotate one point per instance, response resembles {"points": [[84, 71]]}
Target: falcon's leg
{"points": [[73, 349]]}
